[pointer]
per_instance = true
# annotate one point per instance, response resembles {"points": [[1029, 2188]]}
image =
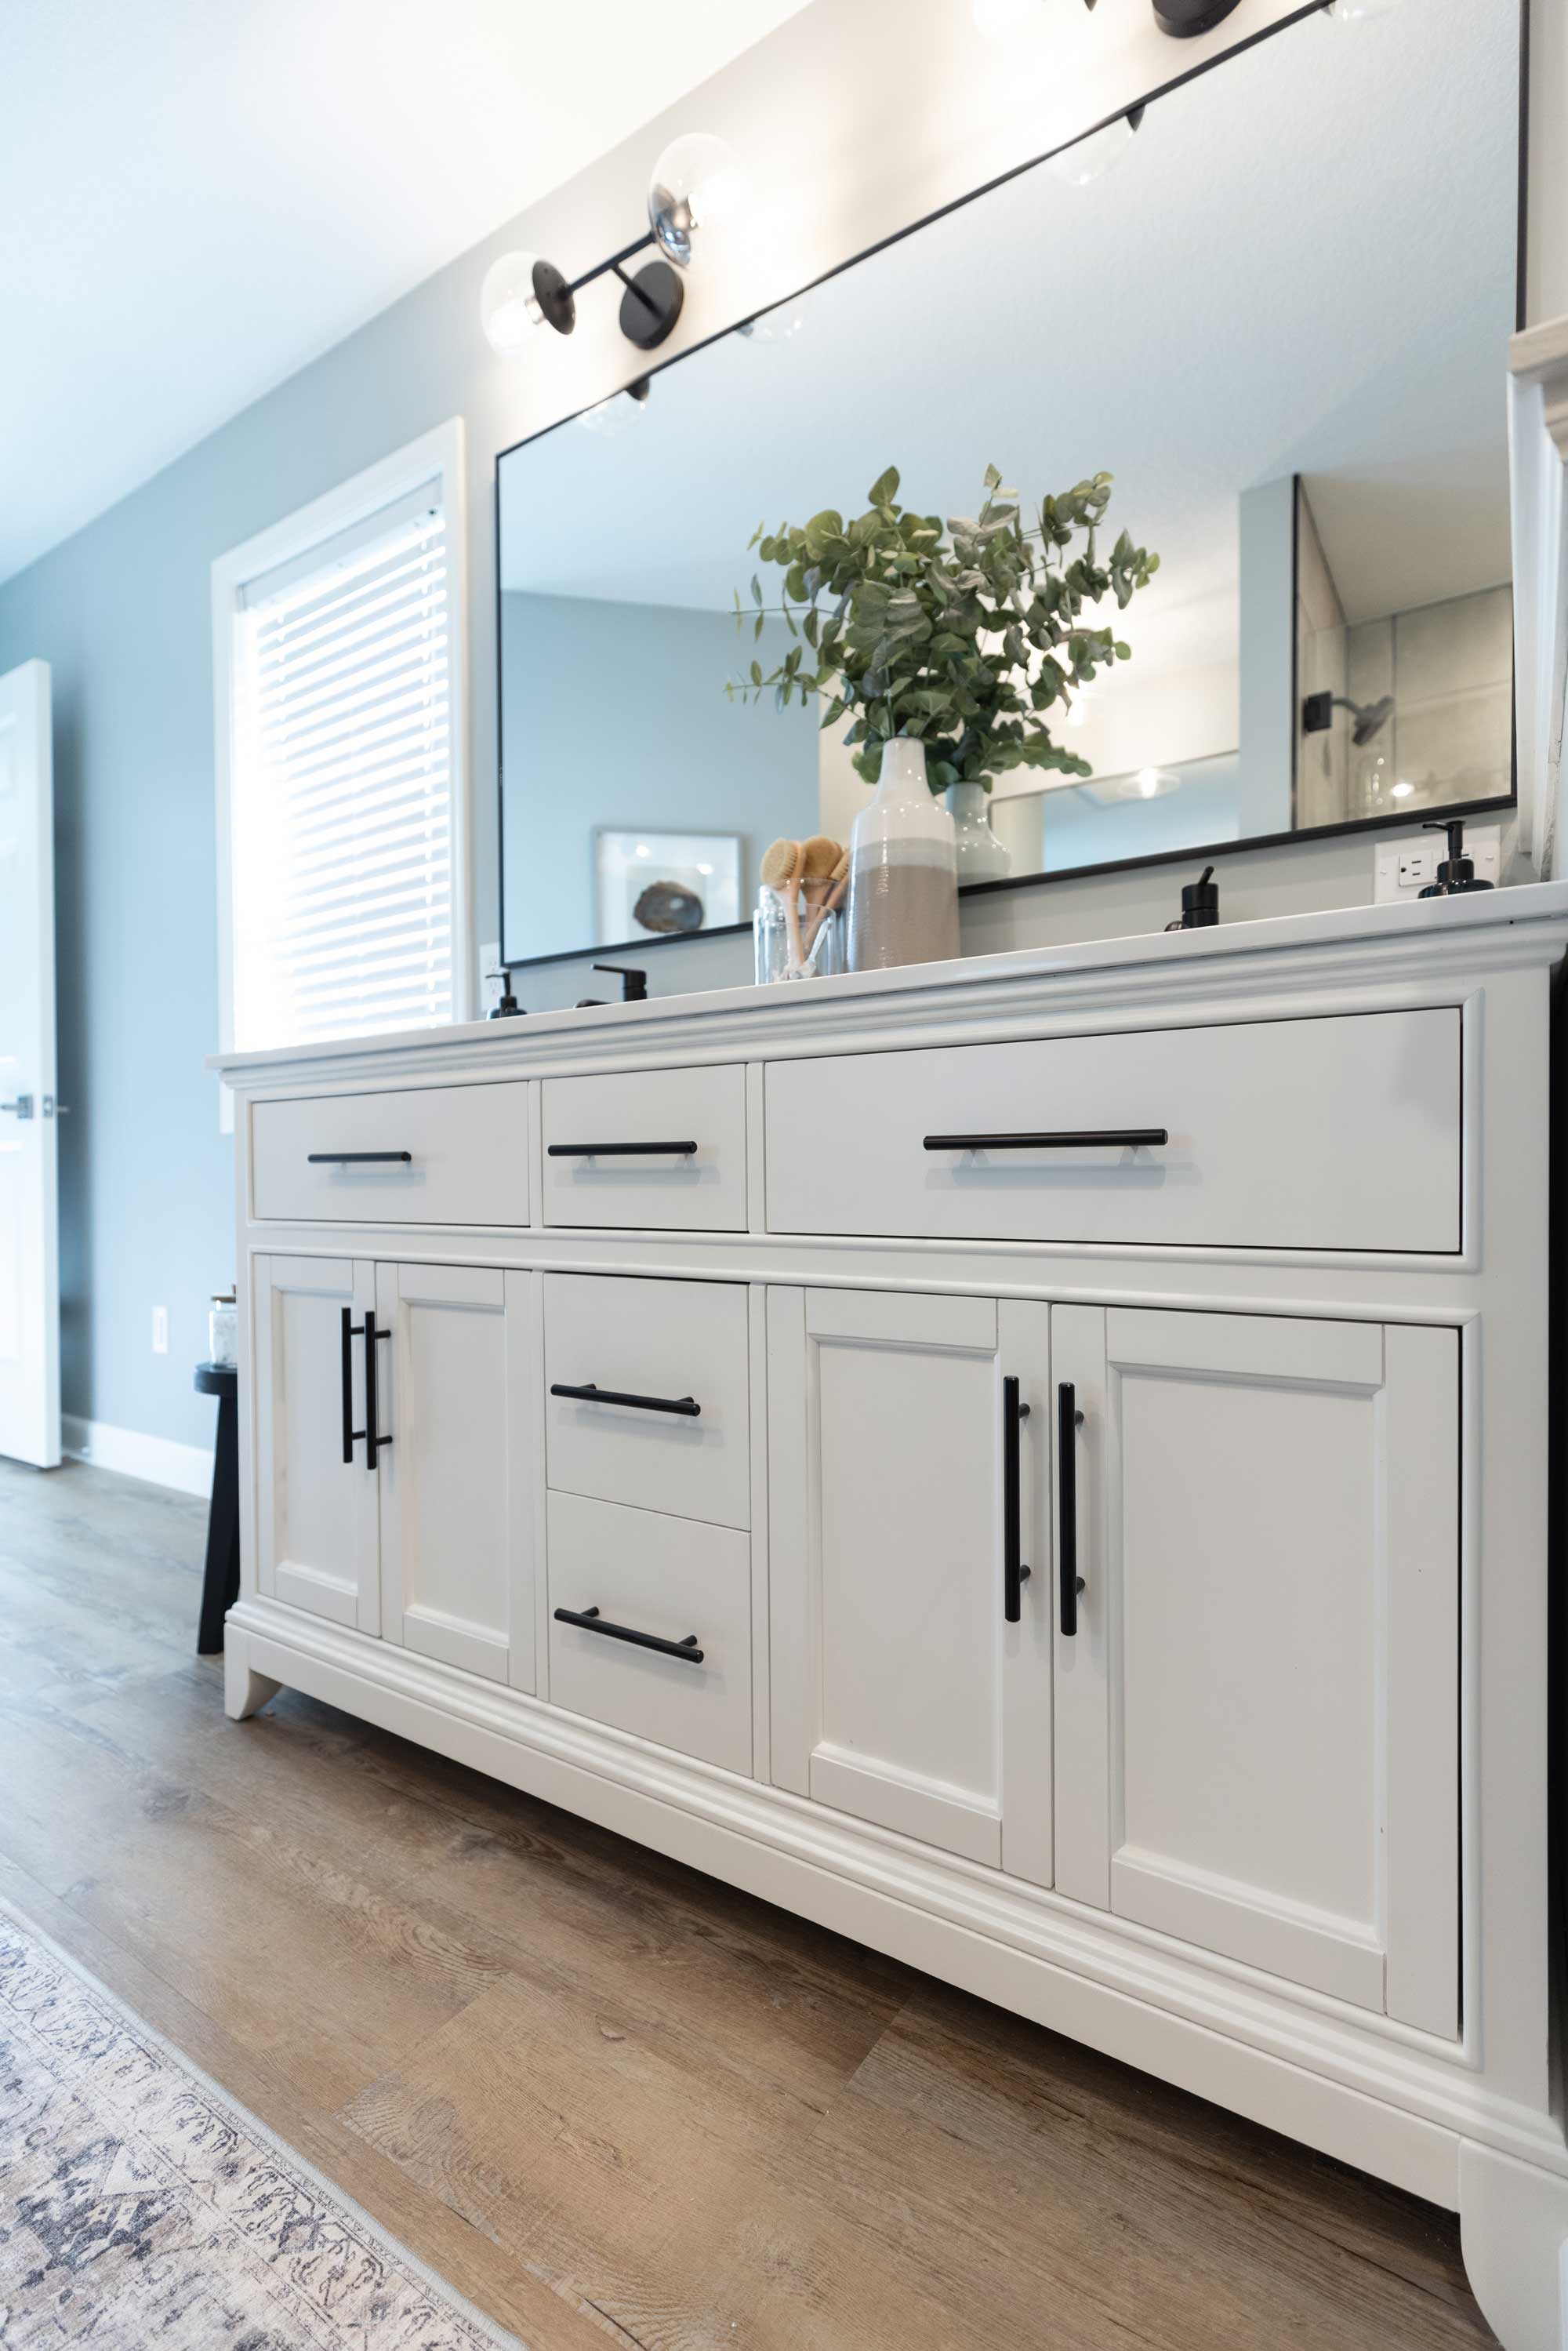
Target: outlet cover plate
{"points": [[490, 985], [1408, 865]]}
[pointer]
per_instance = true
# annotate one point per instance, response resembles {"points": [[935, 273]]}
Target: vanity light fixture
{"points": [[1184, 19], [696, 184]]}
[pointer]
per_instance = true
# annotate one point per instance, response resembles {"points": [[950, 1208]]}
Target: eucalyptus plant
{"points": [[965, 636]]}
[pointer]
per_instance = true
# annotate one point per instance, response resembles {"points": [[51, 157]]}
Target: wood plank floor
{"points": [[609, 2099]]}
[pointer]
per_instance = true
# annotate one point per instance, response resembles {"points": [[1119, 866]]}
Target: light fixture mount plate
{"points": [[650, 305], [556, 302], [1184, 19]]}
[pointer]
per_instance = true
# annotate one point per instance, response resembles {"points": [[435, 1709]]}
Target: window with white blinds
{"points": [[343, 782]]}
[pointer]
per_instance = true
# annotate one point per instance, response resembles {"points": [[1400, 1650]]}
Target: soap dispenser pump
{"points": [[1200, 904], [1456, 873]]}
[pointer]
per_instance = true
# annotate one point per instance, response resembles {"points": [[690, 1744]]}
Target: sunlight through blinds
{"points": [[343, 799]]}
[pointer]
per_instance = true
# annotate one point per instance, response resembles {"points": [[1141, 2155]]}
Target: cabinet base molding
{"points": [[1370, 2097], [1513, 2226]]}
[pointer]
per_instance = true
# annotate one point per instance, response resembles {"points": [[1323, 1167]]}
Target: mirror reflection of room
{"points": [[1327, 638]]}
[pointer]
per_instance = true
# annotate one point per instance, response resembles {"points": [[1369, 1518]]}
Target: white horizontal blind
{"points": [[341, 810]]}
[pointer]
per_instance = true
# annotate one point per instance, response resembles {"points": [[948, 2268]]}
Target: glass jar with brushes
{"points": [[797, 928]]}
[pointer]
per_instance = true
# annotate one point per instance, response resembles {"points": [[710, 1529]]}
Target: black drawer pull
{"points": [[1065, 1139], [1015, 1574], [685, 1405], [358, 1158], [1069, 1421], [590, 1621], [619, 1150]]}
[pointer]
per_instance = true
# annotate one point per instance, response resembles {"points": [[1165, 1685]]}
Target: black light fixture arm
{"points": [[650, 304], [601, 269]]}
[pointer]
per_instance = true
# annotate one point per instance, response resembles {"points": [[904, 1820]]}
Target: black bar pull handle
{"points": [[1069, 1421], [1066, 1138], [686, 1407], [350, 1431], [590, 1621], [1015, 1574], [620, 1150], [375, 1443], [359, 1158], [351, 1436]]}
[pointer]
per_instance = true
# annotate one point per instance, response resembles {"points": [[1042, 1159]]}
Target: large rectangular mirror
{"points": [[1277, 313]]}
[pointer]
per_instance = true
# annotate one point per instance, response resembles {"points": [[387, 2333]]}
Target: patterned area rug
{"points": [[140, 2205]]}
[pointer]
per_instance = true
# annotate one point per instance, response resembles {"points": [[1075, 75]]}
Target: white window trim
{"points": [[437, 454]]}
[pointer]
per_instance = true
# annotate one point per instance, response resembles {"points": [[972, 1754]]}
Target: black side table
{"points": [[220, 1583]]}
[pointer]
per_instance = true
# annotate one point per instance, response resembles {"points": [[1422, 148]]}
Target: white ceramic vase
{"points": [[981, 856], [904, 875]]}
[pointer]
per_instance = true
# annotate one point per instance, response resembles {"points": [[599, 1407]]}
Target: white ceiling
{"points": [[199, 196], [1303, 263]]}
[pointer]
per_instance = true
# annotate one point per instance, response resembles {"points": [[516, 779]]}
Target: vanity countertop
{"points": [[1184, 965]]}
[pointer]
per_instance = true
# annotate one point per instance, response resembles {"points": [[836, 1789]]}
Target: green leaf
{"points": [[884, 489]]}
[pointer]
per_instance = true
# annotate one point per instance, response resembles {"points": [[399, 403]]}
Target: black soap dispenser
{"points": [[1200, 904], [1456, 873]]}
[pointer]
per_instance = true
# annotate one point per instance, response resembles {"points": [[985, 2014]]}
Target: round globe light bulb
{"points": [[697, 184], [1003, 20], [1087, 158], [509, 305]]}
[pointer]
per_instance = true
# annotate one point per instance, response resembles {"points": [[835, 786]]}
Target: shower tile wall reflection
{"points": [[1450, 668]]}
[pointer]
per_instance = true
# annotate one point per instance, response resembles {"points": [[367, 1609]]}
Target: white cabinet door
{"points": [[458, 1482], [901, 1692], [1257, 1739], [316, 1494]]}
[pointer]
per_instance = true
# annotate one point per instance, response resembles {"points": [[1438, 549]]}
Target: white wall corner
{"points": [[156, 1460]]}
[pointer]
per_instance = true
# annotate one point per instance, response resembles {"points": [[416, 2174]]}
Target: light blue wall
{"points": [[616, 714], [121, 613]]}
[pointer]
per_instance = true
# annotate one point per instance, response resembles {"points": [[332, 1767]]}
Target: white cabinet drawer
{"points": [[668, 1580], [432, 1154], [604, 1164], [670, 1430], [1336, 1134]]}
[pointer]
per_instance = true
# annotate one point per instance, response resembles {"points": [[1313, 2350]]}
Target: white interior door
{"points": [[909, 1688], [1257, 1743], [29, 1263], [457, 1483]]}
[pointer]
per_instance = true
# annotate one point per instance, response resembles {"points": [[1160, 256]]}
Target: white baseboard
{"points": [[187, 1468]]}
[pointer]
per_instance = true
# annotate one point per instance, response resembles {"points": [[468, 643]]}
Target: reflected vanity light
{"points": [[697, 184], [1087, 158], [610, 418], [1005, 20], [779, 326]]}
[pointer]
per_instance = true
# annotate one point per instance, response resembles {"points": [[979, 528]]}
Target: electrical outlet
{"points": [[1406, 866], [489, 988], [160, 1329]]}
